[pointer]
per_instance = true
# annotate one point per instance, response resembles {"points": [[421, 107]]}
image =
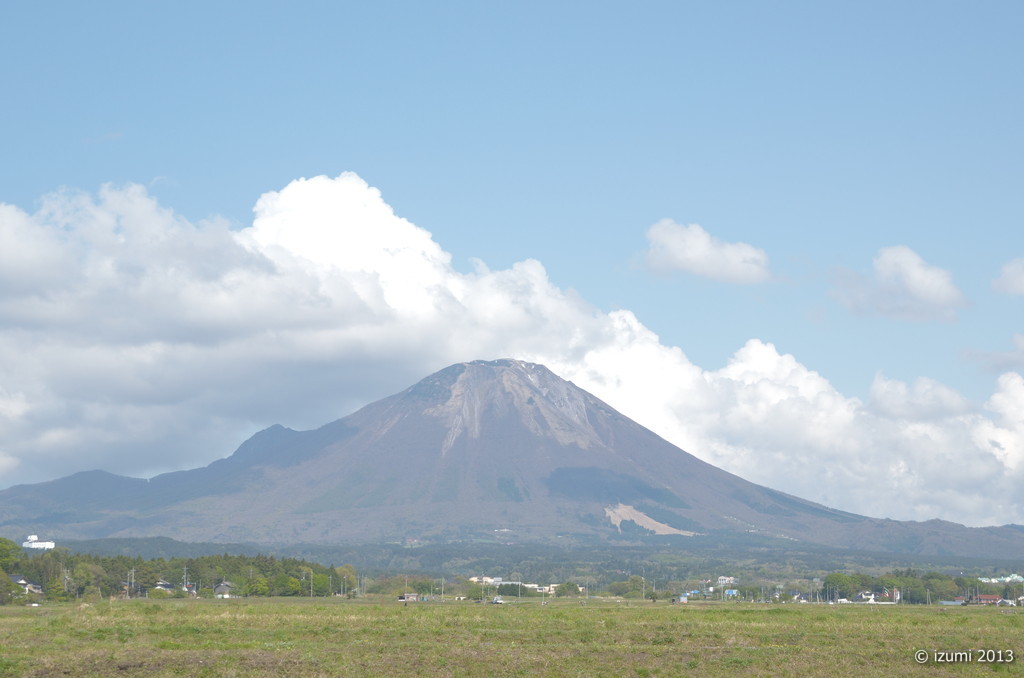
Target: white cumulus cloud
{"points": [[903, 286], [1004, 434], [135, 341], [1011, 278], [691, 249], [925, 400]]}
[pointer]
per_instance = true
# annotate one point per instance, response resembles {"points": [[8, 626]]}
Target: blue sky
{"points": [[866, 156]]}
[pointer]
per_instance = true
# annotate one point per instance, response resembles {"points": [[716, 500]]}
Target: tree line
{"points": [[67, 575], [914, 586], [905, 586], [64, 575]]}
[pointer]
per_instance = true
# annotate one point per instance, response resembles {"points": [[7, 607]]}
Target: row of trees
{"points": [[914, 587], [65, 575]]}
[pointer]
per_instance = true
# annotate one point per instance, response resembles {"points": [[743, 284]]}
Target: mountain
{"points": [[488, 450]]}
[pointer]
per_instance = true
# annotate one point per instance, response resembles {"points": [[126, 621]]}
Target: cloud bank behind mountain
{"points": [[135, 341]]}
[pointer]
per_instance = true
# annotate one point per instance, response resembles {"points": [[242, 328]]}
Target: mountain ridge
{"points": [[482, 450]]}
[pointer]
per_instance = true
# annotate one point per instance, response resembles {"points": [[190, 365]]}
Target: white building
{"points": [[33, 543]]}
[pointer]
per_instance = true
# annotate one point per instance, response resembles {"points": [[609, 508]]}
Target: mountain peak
{"points": [[477, 449], [467, 395]]}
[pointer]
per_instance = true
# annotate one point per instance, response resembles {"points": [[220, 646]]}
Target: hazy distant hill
{"points": [[501, 450]]}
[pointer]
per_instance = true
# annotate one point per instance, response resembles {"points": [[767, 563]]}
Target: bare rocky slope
{"points": [[501, 450]]}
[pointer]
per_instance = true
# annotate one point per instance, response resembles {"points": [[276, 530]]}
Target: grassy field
{"points": [[335, 637]]}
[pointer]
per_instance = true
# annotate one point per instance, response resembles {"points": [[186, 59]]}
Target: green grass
{"points": [[334, 637]]}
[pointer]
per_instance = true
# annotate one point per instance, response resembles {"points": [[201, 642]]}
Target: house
{"points": [[32, 542], [223, 590], [26, 585], [163, 585], [1008, 579], [409, 597], [988, 599]]}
